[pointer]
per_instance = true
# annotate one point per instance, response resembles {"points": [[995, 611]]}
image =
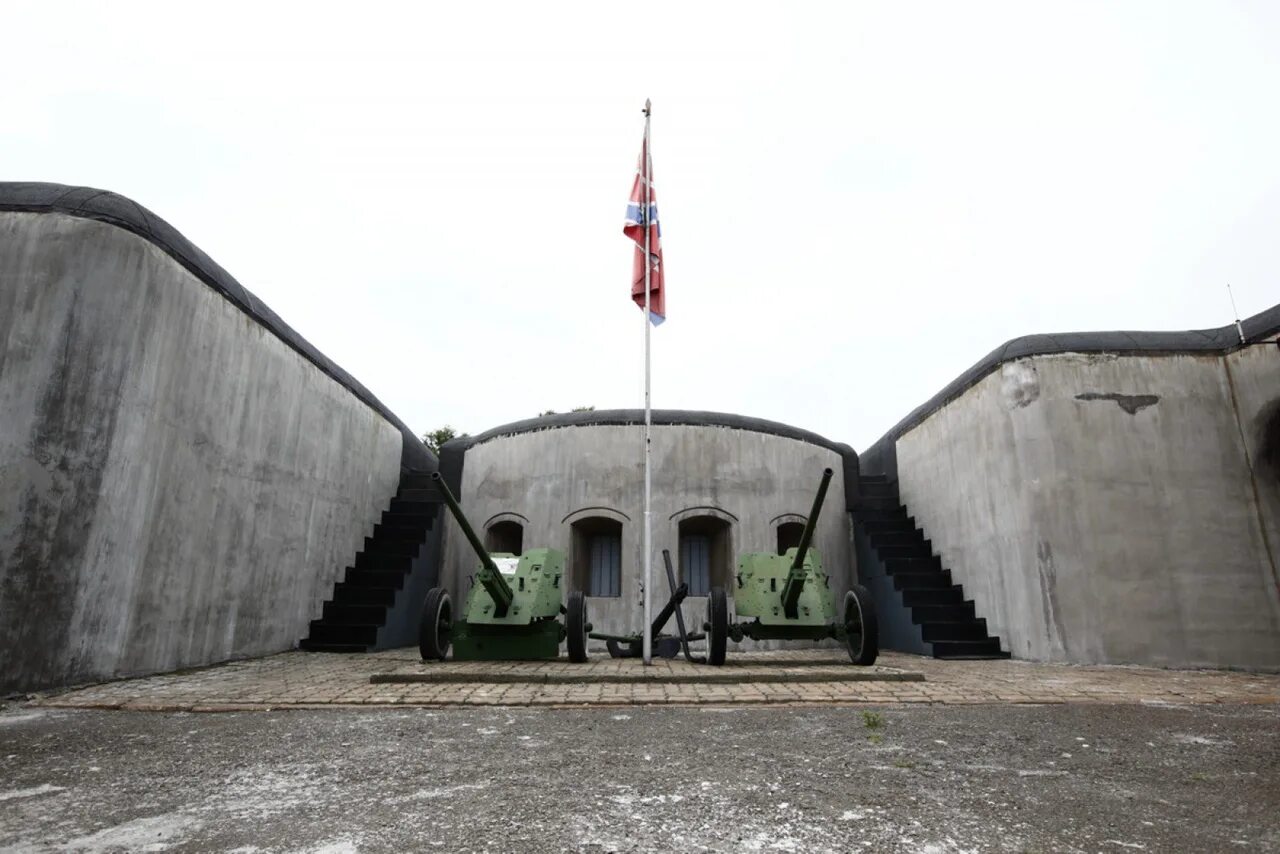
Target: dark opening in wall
{"points": [[704, 553], [596, 556], [505, 536], [789, 534]]}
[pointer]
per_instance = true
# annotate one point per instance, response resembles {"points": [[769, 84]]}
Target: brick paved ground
{"points": [[300, 680]]}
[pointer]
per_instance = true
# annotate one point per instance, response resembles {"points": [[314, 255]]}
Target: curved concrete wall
{"points": [[1109, 508], [554, 469], [178, 484]]}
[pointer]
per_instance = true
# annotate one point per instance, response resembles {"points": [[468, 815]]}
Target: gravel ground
{"points": [[904, 778]]}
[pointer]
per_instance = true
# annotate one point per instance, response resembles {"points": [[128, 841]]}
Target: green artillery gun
{"points": [[512, 611], [789, 597]]}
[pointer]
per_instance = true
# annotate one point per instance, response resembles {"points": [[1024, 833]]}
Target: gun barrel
{"points": [[467, 530], [806, 538]]}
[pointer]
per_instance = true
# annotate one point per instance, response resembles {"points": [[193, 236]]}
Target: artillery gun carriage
{"points": [[789, 597], [513, 610]]}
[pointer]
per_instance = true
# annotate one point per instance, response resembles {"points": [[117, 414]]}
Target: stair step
{"points": [[414, 506], [428, 495], [870, 488], [933, 563], [948, 613], [386, 563], [346, 593], [416, 480], [881, 502], [416, 519], [389, 546], [383, 533], [895, 525], [916, 552], [928, 596], [914, 537], [967, 630], [317, 646], [357, 577], [916, 580], [881, 514], [344, 633], [353, 614], [988, 648]]}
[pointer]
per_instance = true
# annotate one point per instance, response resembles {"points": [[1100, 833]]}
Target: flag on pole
{"points": [[637, 220]]}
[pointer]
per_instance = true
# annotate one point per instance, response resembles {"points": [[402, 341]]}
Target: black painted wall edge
{"points": [[452, 453], [881, 457], [114, 209]]}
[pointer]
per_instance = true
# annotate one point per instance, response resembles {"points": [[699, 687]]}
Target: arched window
{"points": [[705, 553], [595, 555], [789, 534], [506, 535]]}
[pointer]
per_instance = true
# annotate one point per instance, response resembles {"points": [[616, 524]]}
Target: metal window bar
{"points": [[695, 560], [606, 565]]}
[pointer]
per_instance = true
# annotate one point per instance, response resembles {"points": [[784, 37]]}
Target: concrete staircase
{"points": [[943, 620], [376, 591]]}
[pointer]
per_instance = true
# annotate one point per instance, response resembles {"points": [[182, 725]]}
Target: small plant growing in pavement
{"points": [[872, 720]]}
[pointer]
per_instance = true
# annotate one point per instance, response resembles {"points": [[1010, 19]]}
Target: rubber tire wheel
{"points": [[575, 623], [864, 647], [717, 626], [435, 628]]}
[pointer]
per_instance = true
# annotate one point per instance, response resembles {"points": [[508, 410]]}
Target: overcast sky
{"points": [[858, 200]]}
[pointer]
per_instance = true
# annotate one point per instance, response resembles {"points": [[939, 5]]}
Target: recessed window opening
{"points": [[789, 534], [704, 553], [596, 556], [505, 536]]}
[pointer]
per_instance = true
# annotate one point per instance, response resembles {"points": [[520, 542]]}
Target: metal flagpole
{"points": [[647, 651]]}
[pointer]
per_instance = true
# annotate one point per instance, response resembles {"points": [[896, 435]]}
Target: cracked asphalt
{"points": [[1090, 777]]}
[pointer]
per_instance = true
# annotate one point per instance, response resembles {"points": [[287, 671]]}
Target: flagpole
{"points": [[647, 650]]}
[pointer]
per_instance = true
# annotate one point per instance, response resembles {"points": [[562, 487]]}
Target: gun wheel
{"points": [[862, 629], [717, 625], [576, 627], [435, 629]]}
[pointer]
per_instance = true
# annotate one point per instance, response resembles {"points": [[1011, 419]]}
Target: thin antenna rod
{"points": [[1235, 312]]}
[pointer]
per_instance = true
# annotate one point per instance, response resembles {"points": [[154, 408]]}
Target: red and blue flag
{"points": [[638, 221]]}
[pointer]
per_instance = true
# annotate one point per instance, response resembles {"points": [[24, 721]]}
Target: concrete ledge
{"points": [[585, 674]]}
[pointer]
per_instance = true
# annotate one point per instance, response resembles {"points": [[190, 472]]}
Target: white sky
{"points": [[858, 200]]}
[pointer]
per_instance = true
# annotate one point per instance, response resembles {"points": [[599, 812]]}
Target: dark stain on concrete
{"points": [[74, 426], [1130, 403], [1049, 593], [1268, 422]]}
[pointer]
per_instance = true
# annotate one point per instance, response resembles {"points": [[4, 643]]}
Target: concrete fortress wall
{"points": [[180, 484], [546, 473], [1116, 506]]}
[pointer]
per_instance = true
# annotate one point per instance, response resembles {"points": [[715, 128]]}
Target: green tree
{"points": [[575, 409], [435, 438]]}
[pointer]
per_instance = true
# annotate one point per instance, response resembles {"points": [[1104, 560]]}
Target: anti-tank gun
{"points": [[512, 611], [789, 597]]}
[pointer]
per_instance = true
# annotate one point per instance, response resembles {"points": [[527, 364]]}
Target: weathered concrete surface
{"points": [[922, 779], [747, 478], [177, 486], [810, 676], [1102, 508]]}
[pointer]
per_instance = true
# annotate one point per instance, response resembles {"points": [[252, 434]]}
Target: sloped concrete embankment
{"points": [[178, 485]]}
